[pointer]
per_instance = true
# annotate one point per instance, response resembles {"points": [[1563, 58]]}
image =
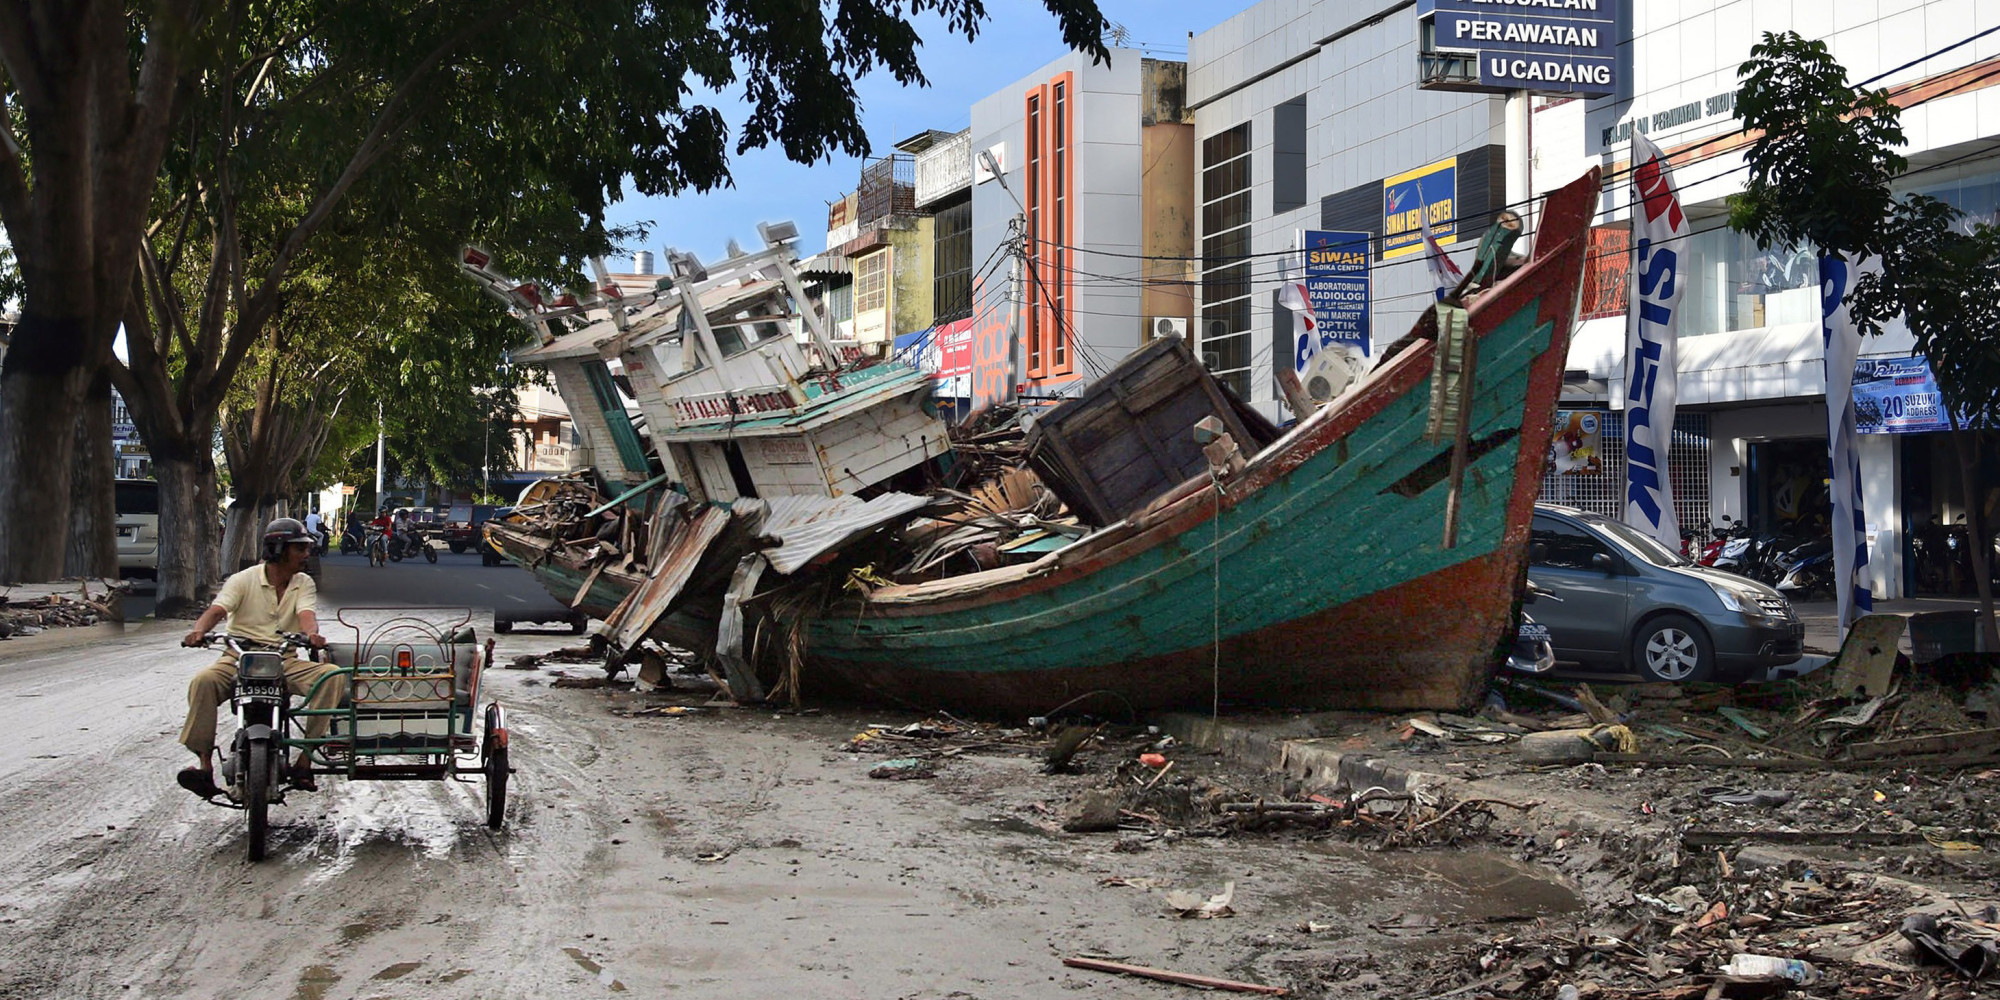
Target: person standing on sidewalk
{"points": [[261, 602]]}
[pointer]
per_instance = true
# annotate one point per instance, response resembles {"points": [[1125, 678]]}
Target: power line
{"points": [[1376, 242]]}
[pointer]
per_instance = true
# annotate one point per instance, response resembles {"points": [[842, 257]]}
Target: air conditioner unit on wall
{"points": [[1331, 372], [1167, 326]]}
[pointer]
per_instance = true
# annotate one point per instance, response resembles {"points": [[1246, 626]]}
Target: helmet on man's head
{"points": [[283, 532]]}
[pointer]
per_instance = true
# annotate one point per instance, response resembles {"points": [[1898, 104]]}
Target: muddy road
{"points": [[731, 853]]}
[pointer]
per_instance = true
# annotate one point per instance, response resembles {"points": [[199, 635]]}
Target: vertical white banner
{"points": [[1659, 237], [1292, 295], [1851, 593]]}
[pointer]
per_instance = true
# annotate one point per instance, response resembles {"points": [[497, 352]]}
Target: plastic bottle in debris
{"points": [[1759, 966]]}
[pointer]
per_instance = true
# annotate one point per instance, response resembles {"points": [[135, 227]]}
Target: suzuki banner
{"points": [[1898, 396], [1659, 231], [1843, 345]]}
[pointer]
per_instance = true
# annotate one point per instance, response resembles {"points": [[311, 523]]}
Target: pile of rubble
{"points": [[31, 608]]}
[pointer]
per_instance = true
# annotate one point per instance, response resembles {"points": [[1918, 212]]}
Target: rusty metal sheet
{"points": [[651, 599], [805, 527]]}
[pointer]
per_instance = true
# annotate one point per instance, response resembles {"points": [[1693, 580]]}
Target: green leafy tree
{"points": [[1822, 170]]}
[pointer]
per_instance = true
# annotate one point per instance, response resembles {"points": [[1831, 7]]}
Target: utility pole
{"points": [[486, 456], [381, 442], [1520, 137], [1017, 236], [1017, 368]]}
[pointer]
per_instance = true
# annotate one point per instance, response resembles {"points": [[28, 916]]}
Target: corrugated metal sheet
{"points": [[806, 527], [636, 614]]}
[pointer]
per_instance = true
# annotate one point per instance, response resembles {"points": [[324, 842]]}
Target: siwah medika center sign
{"points": [[1565, 47]]}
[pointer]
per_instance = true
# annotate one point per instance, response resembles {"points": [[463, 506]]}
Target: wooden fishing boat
{"points": [[1316, 575]]}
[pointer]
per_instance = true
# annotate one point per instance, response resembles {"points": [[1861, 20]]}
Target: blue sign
{"points": [[1545, 46], [1337, 285], [1897, 396]]}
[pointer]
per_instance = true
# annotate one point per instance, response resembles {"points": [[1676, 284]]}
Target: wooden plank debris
{"points": [[1166, 976], [648, 601]]}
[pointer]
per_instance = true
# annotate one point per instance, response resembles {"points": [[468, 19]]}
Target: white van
{"points": [[138, 527]]}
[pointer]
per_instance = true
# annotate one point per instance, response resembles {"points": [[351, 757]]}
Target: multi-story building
{"points": [[884, 242], [1095, 180], [1306, 112], [1317, 115], [542, 440]]}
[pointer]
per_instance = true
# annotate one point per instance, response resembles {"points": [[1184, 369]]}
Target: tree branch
{"points": [[371, 148]]}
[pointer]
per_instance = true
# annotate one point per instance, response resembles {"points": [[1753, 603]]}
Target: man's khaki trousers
{"points": [[211, 687]]}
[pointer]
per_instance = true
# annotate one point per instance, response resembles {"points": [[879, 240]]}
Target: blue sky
{"points": [[1018, 36]]}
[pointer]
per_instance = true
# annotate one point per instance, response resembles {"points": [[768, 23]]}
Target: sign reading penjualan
{"points": [[1659, 230]]}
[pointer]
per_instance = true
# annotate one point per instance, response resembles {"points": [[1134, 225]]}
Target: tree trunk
{"points": [[1966, 449], [241, 534], [93, 505], [183, 587], [209, 511], [38, 409]]}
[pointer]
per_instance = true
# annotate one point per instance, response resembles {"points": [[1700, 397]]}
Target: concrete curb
{"points": [[1288, 748]]}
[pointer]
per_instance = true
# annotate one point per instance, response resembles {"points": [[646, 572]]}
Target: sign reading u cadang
{"points": [[1430, 190], [1545, 46]]}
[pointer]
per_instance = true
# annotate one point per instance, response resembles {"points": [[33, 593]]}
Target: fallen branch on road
{"points": [[1165, 976]]}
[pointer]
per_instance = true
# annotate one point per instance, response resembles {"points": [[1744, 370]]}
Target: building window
{"points": [[951, 289], [1288, 156], [1051, 177], [871, 282], [1224, 336]]}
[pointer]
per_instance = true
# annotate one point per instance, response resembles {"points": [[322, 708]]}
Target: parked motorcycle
{"points": [[1811, 574], [1735, 549]]}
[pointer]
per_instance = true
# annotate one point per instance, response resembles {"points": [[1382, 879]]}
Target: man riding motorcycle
{"points": [[272, 597]]}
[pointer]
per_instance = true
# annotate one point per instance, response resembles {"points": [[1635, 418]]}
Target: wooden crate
{"points": [[1130, 436]]}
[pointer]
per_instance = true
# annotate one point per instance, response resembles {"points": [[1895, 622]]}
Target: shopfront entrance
{"points": [[1787, 487]]}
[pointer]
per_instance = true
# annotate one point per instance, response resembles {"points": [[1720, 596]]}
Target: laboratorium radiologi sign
{"points": [[1546, 46]]}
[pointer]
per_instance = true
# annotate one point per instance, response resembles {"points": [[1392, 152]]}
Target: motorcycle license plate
{"points": [[1535, 632], [260, 689]]}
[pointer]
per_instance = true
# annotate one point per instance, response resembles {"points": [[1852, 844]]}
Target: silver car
{"points": [[1628, 604], [138, 527]]}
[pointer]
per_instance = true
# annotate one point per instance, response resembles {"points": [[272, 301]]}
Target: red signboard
{"points": [[954, 348], [1605, 273]]}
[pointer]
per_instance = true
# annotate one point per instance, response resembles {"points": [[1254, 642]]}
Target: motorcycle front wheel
{"points": [[430, 554], [257, 797], [395, 554]]}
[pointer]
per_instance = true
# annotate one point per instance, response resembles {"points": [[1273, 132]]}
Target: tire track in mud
{"points": [[393, 880]]}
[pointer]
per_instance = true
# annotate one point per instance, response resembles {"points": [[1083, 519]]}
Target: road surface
{"points": [[454, 580], [731, 853]]}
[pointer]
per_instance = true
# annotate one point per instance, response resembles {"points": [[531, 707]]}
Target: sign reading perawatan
{"points": [[1545, 46]]}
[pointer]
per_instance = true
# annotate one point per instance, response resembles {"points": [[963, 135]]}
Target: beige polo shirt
{"points": [[255, 609]]}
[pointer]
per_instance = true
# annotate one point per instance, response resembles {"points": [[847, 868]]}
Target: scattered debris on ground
{"points": [[28, 609]]}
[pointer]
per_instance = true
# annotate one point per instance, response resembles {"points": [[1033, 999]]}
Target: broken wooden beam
{"points": [[1165, 976]]}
